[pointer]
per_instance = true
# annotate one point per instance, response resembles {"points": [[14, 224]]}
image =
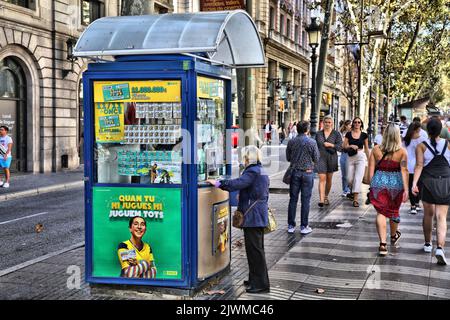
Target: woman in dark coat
{"points": [[253, 186]]}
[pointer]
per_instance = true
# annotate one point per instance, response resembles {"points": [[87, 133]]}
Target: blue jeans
{"points": [[300, 182], [343, 164]]}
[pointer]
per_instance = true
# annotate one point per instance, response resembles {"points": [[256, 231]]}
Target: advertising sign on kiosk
{"points": [[155, 131]]}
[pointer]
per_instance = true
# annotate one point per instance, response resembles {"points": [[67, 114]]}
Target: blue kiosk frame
{"points": [[186, 68]]}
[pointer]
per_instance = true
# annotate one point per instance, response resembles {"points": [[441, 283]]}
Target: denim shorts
{"points": [[5, 163]]}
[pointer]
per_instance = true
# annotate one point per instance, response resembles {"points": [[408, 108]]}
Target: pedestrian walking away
{"points": [[253, 186], [432, 184], [267, 132], [329, 142], [356, 143], [303, 155], [6, 144], [411, 140], [345, 127], [389, 184]]}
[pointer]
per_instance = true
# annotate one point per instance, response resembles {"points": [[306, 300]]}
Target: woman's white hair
{"points": [[328, 117], [252, 154]]}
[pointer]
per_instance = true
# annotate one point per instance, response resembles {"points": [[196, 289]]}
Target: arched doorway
{"points": [[13, 109]]}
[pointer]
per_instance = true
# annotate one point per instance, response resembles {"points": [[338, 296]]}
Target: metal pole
{"points": [[313, 94], [359, 109]]}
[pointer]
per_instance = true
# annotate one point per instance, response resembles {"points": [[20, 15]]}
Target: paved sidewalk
{"points": [[47, 279], [339, 257], [27, 184]]}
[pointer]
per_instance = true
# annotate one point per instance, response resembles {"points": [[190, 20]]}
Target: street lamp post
{"points": [[313, 35]]}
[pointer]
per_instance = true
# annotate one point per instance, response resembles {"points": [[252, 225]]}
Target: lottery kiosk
{"points": [[157, 106]]}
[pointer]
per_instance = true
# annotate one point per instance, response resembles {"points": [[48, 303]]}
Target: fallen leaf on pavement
{"points": [[320, 291], [39, 227], [238, 243], [213, 292]]}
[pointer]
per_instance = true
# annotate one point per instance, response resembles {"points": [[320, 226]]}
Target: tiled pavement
{"points": [[339, 257], [343, 262]]}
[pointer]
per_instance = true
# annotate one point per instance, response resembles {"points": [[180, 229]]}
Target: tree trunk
{"points": [[322, 63]]}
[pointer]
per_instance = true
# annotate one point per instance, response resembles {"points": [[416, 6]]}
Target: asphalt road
{"points": [[60, 213]]}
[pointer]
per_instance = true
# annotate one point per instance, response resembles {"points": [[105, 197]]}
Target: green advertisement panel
{"points": [[151, 247]]}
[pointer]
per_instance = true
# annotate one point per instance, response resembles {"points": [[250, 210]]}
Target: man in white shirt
{"points": [[379, 137], [5, 154]]}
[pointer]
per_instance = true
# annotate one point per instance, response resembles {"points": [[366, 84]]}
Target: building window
{"points": [[303, 39], [30, 4], [160, 9], [91, 10], [296, 34], [271, 18], [288, 28], [282, 24]]}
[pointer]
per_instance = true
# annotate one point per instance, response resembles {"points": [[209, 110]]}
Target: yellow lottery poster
{"points": [[138, 91], [209, 88], [109, 122]]}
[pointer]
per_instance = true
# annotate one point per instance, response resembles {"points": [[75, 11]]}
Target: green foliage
{"points": [[418, 55]]}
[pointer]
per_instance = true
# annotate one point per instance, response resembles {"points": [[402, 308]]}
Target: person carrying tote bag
{"points": [[253, 186]]}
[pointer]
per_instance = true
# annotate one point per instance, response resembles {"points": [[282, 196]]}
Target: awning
{"points": [[415, 104], [226, 37]]}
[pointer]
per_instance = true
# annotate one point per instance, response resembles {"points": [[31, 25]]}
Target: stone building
{"points": [[278, 92], [40, 82]]}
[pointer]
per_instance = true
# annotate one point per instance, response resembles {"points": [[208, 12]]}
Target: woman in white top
{"points": [[432, 181], [411, 140]]}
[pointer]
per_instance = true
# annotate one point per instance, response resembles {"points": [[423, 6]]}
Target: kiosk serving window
{"points": [[138, 131], [210, 128]]}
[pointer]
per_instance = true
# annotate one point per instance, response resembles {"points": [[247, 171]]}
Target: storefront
{"points": [[156, 123], [13, 106]]}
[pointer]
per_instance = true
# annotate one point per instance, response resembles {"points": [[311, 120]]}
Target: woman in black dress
{"points": [[329, 142]]}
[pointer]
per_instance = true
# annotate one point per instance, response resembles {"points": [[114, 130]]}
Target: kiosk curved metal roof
{"points": [[226, 37]]}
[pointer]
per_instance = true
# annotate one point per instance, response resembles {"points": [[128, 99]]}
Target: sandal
{"points": [[382, 249], [326, 202], [355, 203], [320, 204], [396, 238]]}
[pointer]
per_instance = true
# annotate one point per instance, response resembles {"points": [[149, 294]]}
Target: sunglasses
{"points": [[357, 122]]}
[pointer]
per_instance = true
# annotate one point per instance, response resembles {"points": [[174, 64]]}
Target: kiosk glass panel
{"points": [[138, 132], [210, 128]]}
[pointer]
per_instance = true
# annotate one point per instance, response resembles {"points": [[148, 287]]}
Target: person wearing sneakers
{"points": [[432, 184], [6, 144], [303, 154], [388, 170], [411, 140]]}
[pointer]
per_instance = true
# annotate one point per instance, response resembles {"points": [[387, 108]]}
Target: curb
{"points": [[42, 190]]}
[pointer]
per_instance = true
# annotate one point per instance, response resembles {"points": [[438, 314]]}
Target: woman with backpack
{"points": [[432, 184]]}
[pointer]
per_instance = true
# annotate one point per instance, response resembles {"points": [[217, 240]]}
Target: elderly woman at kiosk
{"points": [[253, 186]]}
